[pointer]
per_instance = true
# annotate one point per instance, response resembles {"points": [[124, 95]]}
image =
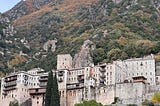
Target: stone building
{"points": [[106, 81], [16, 86], [64, 61], [131, 81], [138, 67]]}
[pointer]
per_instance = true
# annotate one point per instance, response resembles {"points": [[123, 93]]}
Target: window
{"points": [[36, 90], [37, 102], [110, 73], [141, 64], [110, 67]]}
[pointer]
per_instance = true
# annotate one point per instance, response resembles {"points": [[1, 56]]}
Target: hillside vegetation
{"points": [[119, 31]]}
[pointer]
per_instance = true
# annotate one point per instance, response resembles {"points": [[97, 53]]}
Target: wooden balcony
{"points": [[37, 91], [75, 86], [139, 79], [43, 84], [43, 79], [9, 88], [9, 79], [10, 84]]}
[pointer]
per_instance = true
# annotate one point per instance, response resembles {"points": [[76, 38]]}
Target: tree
{"points": [[56, 97], [52, 97], [131, 105], [147, 103], [98, 55], [49, 89], [156, 98], [116, 53], [14, 103], [89, 103]]}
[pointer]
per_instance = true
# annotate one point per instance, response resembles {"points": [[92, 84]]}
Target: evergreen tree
{"points": [[52, 97], [48, 96], [56, 97]]}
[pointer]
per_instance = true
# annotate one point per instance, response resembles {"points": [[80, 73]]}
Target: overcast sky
{"points": [[7, 4]]}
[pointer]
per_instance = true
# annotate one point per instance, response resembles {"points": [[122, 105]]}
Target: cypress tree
{"points": [[52, 100], [48, 96], [52, 97], [56, 97]]}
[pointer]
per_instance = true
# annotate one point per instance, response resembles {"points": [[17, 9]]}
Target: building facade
{"points": [[131, 81]]}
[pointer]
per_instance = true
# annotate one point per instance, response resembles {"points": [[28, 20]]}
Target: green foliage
{"points": [[49, 90], [14, 103], [89, 103], [147, 103], [132, 31], [52, 97], [56, 96], [98, 55], [131, 105], [115, 54], [156, 98]]}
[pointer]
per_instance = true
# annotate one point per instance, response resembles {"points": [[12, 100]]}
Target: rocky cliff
{"points": [[83, 58]]}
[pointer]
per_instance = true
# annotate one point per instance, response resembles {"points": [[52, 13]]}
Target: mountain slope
{"points": [[25, 7], [128, 29]]}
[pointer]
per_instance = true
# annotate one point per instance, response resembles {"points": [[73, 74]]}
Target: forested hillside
{"points": [[128, 29]]}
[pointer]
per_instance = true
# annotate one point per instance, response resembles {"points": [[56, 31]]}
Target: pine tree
{"points": [[56, 97], [48, 96]]}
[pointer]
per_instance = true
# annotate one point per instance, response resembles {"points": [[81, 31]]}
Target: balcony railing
{"points": [[43, 79], [75, 86], [10, 79], [43, 84], [10, 84], [9, 88], [37, 91]]}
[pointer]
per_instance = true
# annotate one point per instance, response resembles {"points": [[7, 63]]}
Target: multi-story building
{"points": [[129, 80], [64, 61], [138, 67], [17, 85]]}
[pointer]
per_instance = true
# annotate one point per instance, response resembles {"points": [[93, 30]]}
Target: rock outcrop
{"points": [[6, 28], [50, 44], [83, 58]]}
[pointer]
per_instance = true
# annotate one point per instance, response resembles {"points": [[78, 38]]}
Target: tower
{"points": [[64, 61]]}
